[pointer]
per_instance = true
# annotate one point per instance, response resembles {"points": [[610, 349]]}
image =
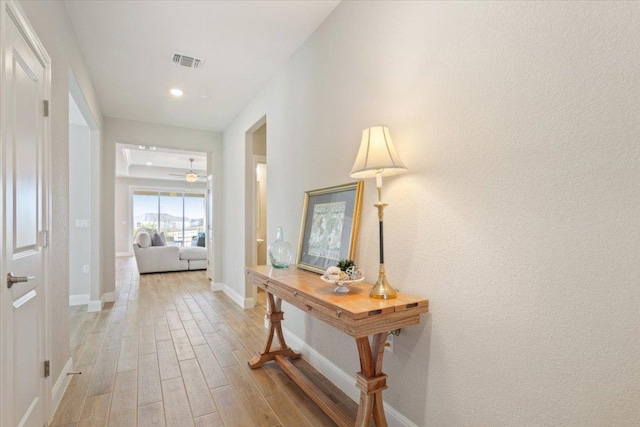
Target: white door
{"points": [[23, 303]]}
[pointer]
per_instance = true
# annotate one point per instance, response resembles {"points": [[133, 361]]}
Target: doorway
{"points": [[261, 209], [79, 208], [84, 203], [161, 189], [256, 225]]}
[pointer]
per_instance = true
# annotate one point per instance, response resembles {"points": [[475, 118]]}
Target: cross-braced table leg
{"points": [[274, 316], [371, 380]]}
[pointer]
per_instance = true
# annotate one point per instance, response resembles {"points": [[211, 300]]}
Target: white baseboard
{"points": [[217, 286], [109, 296], [97, 305], [343, 380], [121, 254], [81, 299], [92, 305], [236, 297], [60, 387]]}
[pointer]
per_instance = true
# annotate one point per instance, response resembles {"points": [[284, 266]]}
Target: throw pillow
{"points": [[158, 239], [143, 240]]}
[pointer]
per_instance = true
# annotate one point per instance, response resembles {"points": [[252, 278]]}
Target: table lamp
{"points": [[376, 158]]}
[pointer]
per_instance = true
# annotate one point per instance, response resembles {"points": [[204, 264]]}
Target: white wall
{"points": [[51, 23], [518, 218], [123, 216], [260, 141], [79, 209], [131, 132]]}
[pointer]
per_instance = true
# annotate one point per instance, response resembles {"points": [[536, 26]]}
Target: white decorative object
{"points": [[333, 270], [342, 280]]}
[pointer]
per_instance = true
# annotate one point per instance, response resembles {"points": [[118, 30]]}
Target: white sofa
{"points": [[156, 259]]}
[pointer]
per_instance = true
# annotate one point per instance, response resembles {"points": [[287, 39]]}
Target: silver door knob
{"points": [[12, 278]]}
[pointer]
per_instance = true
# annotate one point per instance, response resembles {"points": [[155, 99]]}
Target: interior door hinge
{"points": [[47, 368], [46, 107], [45, 238]]}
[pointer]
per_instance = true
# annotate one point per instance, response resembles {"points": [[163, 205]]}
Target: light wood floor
{"points": [[169, 352]]}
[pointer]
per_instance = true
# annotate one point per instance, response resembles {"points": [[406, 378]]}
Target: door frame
{"points": [[11, 7], [75, 91], [250, 244], [257, 160]]}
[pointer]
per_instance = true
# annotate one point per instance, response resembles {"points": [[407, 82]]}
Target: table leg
{"points": [[274, 316], [371, 380]]}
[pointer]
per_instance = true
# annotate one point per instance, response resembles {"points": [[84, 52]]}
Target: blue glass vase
{"points": [[280, 252]]}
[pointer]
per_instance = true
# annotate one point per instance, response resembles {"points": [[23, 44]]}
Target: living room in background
{"points": [[180, 215]]}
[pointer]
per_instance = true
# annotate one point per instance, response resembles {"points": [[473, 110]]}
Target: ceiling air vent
{"points": [[187, 61]]}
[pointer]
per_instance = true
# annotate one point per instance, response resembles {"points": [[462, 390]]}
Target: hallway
{"points": [[170, 352]]}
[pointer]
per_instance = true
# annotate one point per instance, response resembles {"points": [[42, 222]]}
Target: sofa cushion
{"points": [[197, 264], [143, 239], [193, 253], [158, 239], [156, 259]]}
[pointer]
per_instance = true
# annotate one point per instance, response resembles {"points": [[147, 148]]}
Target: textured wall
{"points": [[518, 219], [51, 23], [80, 239]]}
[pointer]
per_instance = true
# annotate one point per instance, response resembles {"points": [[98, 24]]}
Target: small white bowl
{"points": [[342, 286]]}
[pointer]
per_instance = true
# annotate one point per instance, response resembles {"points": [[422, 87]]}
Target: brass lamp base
{"points": [[382, 289]]}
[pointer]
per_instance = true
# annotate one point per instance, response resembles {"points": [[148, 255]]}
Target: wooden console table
{"points": [[354, 314]]}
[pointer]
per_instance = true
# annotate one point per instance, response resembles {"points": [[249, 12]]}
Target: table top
{"points": [[356, 304]]}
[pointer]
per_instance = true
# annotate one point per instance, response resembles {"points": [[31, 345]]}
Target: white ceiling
{"points": [[128, 46], [132, 161]]}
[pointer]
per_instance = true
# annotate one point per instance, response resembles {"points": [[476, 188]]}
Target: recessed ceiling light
{"points": [[142, 147], [176, 92], [152, 148], [149, 163]]}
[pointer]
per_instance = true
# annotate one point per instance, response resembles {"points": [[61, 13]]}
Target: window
{"points": [[181, 216]]}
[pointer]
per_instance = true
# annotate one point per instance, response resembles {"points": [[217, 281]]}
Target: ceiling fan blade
{"points": [[184, 175]]}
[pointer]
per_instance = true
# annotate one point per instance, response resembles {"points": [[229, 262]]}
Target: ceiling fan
{"points": [[190, 176]]}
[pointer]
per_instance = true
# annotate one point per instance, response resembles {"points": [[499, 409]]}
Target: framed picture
{"points": [[330, 219]]}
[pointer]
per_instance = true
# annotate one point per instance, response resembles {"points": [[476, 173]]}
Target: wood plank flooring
{"points": [[170, 352]]}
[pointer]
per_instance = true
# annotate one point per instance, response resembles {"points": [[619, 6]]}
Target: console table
{"points": [[353, 313]]}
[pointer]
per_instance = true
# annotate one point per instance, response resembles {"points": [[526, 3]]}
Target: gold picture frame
{"points": [[329, 229]]}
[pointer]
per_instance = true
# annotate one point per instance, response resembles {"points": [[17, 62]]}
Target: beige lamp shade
{"points": [[377, 155]]}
